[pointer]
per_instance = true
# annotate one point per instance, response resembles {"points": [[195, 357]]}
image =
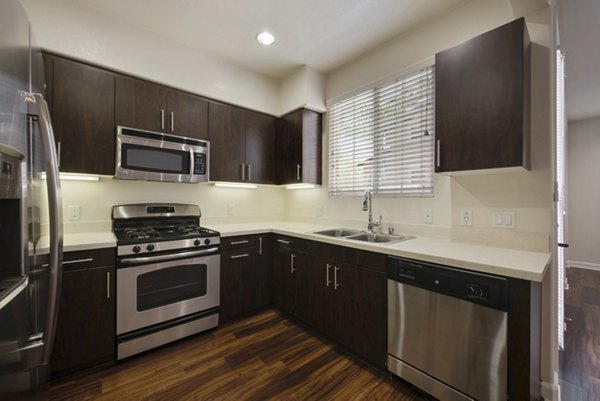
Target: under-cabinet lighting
{"points": [[234, 185], [74, 177], [300, 186]]}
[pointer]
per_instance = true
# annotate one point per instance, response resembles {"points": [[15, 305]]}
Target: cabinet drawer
{"points": [[89, 258], [238, 242]]}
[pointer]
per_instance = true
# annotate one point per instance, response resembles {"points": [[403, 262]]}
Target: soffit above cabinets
{"points": [[322, 34]]}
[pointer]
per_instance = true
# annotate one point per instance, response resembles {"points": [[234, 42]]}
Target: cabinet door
{"points": [[141, 104], [289, 149], [319, 302], [227, 142], [238, 282], [85, 333], [188, 115], [361, 312], [482, 101], [263, 286], [83, 114], [260, 147]]}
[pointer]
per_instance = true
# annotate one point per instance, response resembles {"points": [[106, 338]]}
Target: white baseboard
{"points": [[550, 391], [583, 265]]}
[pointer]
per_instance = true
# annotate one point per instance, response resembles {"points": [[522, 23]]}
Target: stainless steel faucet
{"points": [[368, 205]]}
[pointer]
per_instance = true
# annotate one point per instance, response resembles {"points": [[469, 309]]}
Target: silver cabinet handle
{"points": [[55, 220], [107, 285], [243, 255], [249, 178], [58, 151], [298, 167], [335, 280], [437, 153], [172, 121], [284, 241], [327, 280], [292, 258], [162, 119], [239, 242], [243, 171], [260, 246], [72, 262]]}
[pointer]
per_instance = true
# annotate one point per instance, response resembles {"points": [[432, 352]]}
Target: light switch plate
{"points": [[502, 219]]}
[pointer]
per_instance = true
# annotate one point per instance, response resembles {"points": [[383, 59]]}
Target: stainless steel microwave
{"points": [[152, 156]]}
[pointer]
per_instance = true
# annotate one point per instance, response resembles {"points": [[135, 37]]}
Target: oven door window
{"points": [[160, 160], [170, 286]]}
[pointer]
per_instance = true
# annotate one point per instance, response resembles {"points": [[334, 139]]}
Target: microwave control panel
{"points": [[199, 164]]}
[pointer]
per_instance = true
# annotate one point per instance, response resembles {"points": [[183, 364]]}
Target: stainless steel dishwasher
{"points": [[447, 330]]}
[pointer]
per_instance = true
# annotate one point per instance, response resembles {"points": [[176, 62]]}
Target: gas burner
{"points": [[189, 229], [141, 233]]}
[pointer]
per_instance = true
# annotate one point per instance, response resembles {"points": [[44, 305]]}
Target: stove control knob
{"points": [[207, 241], [136, 248], [150, 247], [197, 242]]}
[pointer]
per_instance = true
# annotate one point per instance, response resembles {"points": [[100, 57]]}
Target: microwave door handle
{"points": [[55, 220], [191, 164]]}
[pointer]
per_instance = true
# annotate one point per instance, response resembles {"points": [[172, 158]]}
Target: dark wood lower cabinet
{"points": [[360, 310], [343, 301], [238, 282], [85, 335]]}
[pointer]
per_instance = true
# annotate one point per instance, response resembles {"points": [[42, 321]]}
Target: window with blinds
{"points": [[382, 139]]}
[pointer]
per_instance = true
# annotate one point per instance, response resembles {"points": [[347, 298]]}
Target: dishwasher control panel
{"points": [[476, 287]]}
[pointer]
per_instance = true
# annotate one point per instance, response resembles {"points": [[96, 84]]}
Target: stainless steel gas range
{"points": [[168, 275]]}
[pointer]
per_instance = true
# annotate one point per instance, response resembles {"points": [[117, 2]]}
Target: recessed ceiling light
{"points": [[265, 38]]}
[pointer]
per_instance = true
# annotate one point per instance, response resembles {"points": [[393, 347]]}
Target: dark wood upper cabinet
{"points": [[242, 145], [152, 107], [188, 115], [260, 147], [299, 147], [227, 142], [482, 101], [82, 100]]}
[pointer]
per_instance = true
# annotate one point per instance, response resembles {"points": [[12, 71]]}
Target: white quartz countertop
{"points": [[487, 259], [80, 241]]}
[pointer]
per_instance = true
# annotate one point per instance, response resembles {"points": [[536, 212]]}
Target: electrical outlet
{"points": [[466, 217], [319, 210], [231, 209], [74, 212], [428, 216]]}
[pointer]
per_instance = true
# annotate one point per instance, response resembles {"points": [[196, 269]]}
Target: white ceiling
{"points": [[579, 32], [322, 34]]}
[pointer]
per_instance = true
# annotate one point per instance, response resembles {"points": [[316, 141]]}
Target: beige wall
{"points": [[583, 191]]}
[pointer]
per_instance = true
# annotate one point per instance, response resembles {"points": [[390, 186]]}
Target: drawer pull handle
{"points": [[107, 285], [239, 242], [244, 255], [70, 262], [284, 241], [335, 280], [260, 246], [327, 280]]}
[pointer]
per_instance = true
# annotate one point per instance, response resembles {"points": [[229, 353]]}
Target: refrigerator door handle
{"points": [[56, 228]]}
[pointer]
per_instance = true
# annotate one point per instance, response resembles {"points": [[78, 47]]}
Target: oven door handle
{"points": [[162, 258]]}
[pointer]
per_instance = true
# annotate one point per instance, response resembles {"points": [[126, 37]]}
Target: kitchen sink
{"points": [[339, 232], [379, 238]]}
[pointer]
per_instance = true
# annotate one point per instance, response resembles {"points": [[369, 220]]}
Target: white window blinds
{"points": [[382, 139]]}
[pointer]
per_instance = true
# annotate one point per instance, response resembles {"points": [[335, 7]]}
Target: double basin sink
{"points": [[358, 235]]}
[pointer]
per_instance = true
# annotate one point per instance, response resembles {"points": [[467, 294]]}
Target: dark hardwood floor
{"points": [[580, 359], [263, 357]]}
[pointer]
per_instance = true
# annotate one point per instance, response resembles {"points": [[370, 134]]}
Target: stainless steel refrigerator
{"points": [[30, 206]]}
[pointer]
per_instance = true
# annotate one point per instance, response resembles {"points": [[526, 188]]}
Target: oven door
{"points": [[154, 293], [151, 156]]}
